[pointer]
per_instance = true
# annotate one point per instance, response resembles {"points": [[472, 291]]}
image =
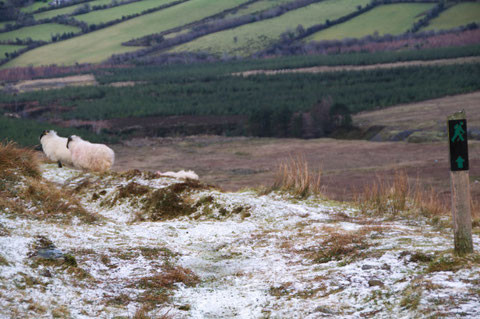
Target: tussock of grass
{"points": [[51, 202], [338, 245], [157, 204], [294, 176], [168, 277], [157, 288], [399, 197], [17, 161], [24, 192]]}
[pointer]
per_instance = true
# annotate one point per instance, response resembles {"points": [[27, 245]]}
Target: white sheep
{"points": [[55, 147], [90, 156], [180, 174]]}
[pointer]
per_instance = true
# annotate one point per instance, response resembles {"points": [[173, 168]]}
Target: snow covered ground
{"points": [[234, 255]]}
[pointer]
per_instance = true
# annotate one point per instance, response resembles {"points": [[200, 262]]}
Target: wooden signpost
{"points": [[460, 184]]}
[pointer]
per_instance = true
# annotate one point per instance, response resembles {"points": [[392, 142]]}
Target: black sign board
{"points": [[457, 135]]}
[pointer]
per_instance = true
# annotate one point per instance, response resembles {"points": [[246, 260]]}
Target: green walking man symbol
{"points": [[458, 133]]}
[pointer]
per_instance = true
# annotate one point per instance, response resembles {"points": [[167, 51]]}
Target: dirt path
{"points": [[55, 83], [320, 69]]}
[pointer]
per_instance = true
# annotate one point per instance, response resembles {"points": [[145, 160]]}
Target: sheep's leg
{"points": [[59, 164]]}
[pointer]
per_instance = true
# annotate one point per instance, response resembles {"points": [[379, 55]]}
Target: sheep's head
{"points": [[44, 133], [72, 138], [48, 132]]}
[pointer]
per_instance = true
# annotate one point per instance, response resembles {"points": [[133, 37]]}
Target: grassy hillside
{"points": [[386, 19], [68, 10], [254, 27], [257, 6], [252, 37], [9, 49], [42, 32], [97, 46], [106, 15], [35, 6], [458, 15]]}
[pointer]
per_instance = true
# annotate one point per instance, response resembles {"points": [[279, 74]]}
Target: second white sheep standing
{"points": [[90, 156], [55, 147]]}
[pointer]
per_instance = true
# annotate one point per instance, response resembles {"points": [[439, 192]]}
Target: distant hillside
{"points": [[92, 31]]}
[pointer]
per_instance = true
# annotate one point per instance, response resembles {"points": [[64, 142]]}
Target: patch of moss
{"points": [[70, 260], [450, 262], [421, 257], [411, 298]]}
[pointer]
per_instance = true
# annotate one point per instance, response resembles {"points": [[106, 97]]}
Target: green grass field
{"points": [[102, 16], [68, 10], [255, 36], [3, 24], [458, 15], [35, 6], [258, 6], [97, 46], [38, 32], [9, 48], [386, 19]]}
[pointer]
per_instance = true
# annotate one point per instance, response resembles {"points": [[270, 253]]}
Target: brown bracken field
{"points": [[347, 166]]}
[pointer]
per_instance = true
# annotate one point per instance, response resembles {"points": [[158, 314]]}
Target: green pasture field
{"points": [[102, 16], [68, 10], [258, 6], [9, 49], [38, 32], [256, 36], [98, 46], [3, 24], [386, 19], [458, 15], [34, 6]]}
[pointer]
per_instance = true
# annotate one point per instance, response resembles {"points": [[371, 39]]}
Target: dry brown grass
{"points": [[338, 245], [157, 288], [20, 160], [50, 202], [168, 277], [295, 177], [400, 197], [142, 313], [23, 191]]}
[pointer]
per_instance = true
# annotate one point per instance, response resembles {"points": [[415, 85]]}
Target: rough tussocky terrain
{"points": [[156, 247]]}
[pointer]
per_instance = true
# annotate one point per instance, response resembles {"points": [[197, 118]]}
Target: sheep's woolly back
{"points": [[180, 174], [55, 147], [90, 156]]}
